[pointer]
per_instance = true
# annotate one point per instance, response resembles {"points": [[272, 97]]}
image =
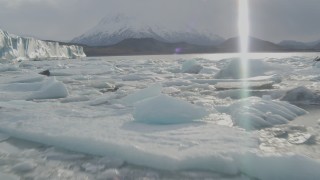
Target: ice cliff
{"points": [[16, 47]]}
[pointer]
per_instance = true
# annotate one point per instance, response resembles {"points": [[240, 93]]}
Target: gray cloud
{"points": [[64, 19], [286, 19]]}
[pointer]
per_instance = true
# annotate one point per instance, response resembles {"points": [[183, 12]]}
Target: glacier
{"points": [[26, 48]]}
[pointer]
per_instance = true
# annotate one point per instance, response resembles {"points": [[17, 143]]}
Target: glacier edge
{"points": [[25, 48]]}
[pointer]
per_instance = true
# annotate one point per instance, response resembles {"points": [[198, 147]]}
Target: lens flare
{"points": [[244, 30]]}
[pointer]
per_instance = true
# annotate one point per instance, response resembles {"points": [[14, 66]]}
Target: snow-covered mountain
{"points": [[111, 30], [16, 47]]}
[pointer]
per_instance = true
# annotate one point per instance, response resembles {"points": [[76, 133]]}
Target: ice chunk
{"points": [[256, 113], [240, 85], [149, 92], [177, 83], [299, 138], [92, 168], [52, 89], [191, 67], [164, 109], [109, 174], [45, 72], [255, 68], [24, 166], [301, 94], [111, 162], [101, 84], [170, 90]]}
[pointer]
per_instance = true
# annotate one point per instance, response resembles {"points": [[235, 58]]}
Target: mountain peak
{"points": [[113, 29]]}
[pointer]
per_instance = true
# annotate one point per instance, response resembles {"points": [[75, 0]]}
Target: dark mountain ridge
{"points": [[150, 46]]}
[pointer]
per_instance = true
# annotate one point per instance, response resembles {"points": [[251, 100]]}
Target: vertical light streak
{"points": [[244, 31]]}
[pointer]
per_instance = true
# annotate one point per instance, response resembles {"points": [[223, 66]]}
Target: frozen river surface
{"points": [[161, 117]]}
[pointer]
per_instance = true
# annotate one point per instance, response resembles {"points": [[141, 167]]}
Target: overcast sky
{"points": [[273, 20]]}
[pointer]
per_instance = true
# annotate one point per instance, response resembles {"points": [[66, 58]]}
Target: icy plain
{"points": [[160, 117]]}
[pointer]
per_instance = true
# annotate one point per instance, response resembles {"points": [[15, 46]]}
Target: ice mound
{"points": [[51, 89], [256, 113], [164, 109], [148, 92], [301, 95], [255, 67], [191, 67], [15, 47]]}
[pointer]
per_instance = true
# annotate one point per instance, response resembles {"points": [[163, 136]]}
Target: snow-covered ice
{"points": [[90, 119]]}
